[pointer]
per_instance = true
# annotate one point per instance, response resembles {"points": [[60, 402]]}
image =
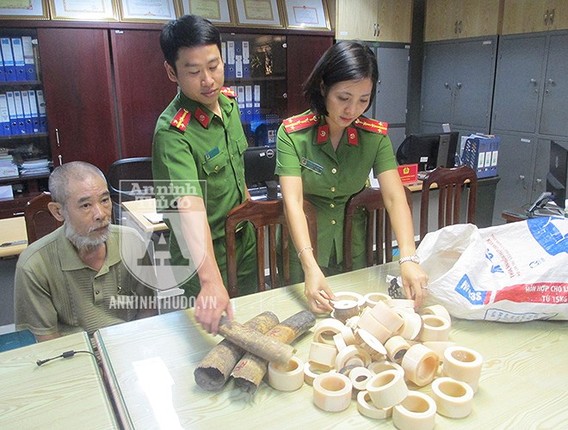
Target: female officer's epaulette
{"points": [[371, 125], [300, 122], [226, 91], [181, 119]]}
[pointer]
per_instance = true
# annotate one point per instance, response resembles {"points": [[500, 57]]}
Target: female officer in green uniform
{"points": [[325, 155]]}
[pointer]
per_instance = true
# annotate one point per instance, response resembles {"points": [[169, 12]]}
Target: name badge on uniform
{"points": [[311, 165], [214, 152]]}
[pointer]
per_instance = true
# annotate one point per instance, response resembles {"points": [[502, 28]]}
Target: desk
{"points": [[523, 383], [136, 209], [13, 230], [64, 393]]}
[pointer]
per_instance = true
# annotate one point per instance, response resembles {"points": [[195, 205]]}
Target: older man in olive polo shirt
{"points": [[73, 278]]}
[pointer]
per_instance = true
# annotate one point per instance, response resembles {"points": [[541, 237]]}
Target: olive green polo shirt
{"points": [[330, 177], [55, 292]]}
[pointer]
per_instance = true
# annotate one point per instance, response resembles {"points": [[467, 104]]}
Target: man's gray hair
{"points": [[64, 174]]}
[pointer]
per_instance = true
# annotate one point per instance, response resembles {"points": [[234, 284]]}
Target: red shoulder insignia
{"points": [[181, 119], [301, 122], [226, 91], [371, 125]]}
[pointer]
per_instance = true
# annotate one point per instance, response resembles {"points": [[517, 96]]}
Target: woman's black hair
{"points": [[187, 32], [344, 61]]}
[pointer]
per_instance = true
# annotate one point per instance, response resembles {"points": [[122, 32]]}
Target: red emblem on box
{"points": [[408, 173]]}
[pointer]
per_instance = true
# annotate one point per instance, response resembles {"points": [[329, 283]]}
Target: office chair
{"points": [[265, 216], [39, 220], [378, 242], [127, 179], [452, 185]]}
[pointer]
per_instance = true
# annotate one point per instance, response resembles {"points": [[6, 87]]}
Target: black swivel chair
{"points": [[127, 179]]}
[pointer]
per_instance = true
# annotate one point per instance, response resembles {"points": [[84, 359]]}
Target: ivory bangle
{"points": [[322, 353], [345, 309], [352, 322], [332, 392], [347, 295], [463, 364], [352, 351], [386, 316], [371, 299], [371, 343], [387, 388], [438, 346], [437, 310], [454, 399], [412, 323], [369, 322], [400, 303], [434, 328], [416, 412], [396, 348], [420, 365], [289, 377], [359, 377], [311, 370], [326, 329], [339, 341], [366, 407]]}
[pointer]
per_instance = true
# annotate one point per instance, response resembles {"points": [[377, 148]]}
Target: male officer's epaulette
{"points": [[226, 91], [181, 119], [300, 122], [371, 125]]}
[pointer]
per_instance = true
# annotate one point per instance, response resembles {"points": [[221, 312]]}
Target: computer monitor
{"points": [[557, 177], [428, 150], [260, 163]]}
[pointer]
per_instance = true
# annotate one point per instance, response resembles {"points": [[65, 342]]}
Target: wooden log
{"points": [[250, 370], [268, 348], [215, 368]]}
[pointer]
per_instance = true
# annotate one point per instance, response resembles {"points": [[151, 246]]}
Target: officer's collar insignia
{"points": [[300, 122], [181, 119], [371, 125], [226, 91], [352, 137], [202, 117], [323, 133]]}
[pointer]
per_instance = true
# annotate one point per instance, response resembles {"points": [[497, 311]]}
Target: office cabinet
{"points": [[143, 89], [528, 16], [457, 83], [79, 95], [531, 84], [453, 19], [374, 20]]}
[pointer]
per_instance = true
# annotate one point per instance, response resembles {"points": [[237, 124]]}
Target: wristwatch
{"points": [[414, 258]]}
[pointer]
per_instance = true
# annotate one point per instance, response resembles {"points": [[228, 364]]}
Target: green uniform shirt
{"points": [[209, 149], [55, 292], [330, 177]]}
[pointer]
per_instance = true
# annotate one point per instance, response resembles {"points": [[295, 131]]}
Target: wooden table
{"points": [[523, 382], [13, 232], [63, 393], [137, 209]]}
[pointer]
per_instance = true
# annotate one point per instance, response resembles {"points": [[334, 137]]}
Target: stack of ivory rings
{"points": [[375, 347]]}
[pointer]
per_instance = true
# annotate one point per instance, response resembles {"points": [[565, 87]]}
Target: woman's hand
{"points": [[317, 292], [414, 282]]}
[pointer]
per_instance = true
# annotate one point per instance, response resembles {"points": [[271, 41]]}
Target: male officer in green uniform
{"points": [[200, 137]]}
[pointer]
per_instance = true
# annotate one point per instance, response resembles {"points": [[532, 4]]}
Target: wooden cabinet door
{"points": [[440, 20], [142, 88], [309, 49], [395, 21], [453, 19], [76, 72], [357, 20], [529, 16]]}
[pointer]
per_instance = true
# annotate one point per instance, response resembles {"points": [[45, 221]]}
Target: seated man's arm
{"points": [[33, 307]]}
